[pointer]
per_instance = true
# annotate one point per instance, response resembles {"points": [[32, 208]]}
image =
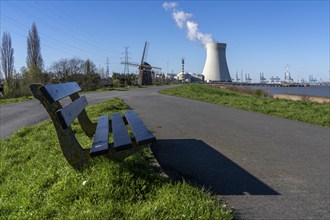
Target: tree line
{"points": [[15, 84], [84, 72]]}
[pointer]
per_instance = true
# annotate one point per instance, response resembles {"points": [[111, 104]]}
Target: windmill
{"points": [[145, 73]]}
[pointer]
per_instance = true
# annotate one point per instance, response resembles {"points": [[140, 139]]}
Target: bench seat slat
{"points": [[140, 131], [55, 92], [101, 139], [121, 139], [70, 112]]}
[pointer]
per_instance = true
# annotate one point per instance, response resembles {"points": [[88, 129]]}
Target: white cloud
{"points": [[169, 5]]}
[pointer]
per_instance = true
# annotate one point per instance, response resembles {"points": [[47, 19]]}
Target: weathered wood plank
{"points": [[55, 92], [70, 112], [121, 137], [140, 131], [100, 144]]}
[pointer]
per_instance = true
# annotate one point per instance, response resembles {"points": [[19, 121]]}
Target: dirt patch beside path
{"points": [[303, 98]]}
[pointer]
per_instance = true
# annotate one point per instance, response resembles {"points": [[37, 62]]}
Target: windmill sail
{"points": [[145, 76]]}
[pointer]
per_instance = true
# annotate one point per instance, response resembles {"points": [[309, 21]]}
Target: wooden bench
{"points": [[63, 115]]}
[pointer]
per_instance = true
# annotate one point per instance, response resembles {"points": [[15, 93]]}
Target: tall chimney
{"points": [[216, 68]]}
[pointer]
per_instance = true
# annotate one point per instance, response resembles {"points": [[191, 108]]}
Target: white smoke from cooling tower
{"points": [[169, 5], [195, 35], [183, 21], [216, 68]]}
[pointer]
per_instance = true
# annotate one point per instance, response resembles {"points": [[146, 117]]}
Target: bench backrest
{"points": [[70, 112], [62, 117], [50, 95], [56, 92], [67, 114]]}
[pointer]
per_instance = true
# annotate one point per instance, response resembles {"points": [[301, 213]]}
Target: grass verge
{"points": [[314, 113], [15, 100], [5, 101], [36, 182]]}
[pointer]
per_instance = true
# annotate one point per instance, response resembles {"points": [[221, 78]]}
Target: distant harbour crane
{"points": [[248, 79], [237, 78], [287, 75], [262, 78]]}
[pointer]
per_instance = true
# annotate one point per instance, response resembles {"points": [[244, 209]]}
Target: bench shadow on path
{"points": [[198, 163]]}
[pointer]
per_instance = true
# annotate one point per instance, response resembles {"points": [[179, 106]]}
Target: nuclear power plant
{"points": [[216, 68]]}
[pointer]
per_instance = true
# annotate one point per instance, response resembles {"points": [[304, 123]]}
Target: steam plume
{"points": [[181, 17], [194, 34], [183, 20], [169, 5]]}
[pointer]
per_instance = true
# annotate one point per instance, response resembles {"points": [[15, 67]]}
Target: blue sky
{"points": [[261, 36]]}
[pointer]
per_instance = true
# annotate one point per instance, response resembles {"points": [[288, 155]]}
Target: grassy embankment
{"points": [[15, 100], [5, 101], [36, 182], [314, 113]]}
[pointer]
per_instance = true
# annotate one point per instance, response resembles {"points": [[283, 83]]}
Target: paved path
{"points": [[15, 116], [264, 167]]}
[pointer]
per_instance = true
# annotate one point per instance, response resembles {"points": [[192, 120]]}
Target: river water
{"points": [[322, 91]]}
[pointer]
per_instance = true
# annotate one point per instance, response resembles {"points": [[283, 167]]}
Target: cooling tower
{"points": [[216, 68]]}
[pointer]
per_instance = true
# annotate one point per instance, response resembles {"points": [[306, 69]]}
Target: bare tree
{"points": [[7, 57], [34, 60], [7, 64], [89, 67], [66, 69]]}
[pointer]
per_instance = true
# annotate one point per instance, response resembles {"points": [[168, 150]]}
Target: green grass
{"points": [[36, 182], [15, 100], [5, 101], [126, 88], [314, 113], [104, 89]]}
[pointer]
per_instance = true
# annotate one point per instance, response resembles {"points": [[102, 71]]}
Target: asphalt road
{"points": [[15, 116], [264, 167]]}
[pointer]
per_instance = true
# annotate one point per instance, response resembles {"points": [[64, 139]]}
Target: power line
{"points": [[43, 44], [68, 20], [56, 29], [73, 26], [54, 42], [20, 25]]}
